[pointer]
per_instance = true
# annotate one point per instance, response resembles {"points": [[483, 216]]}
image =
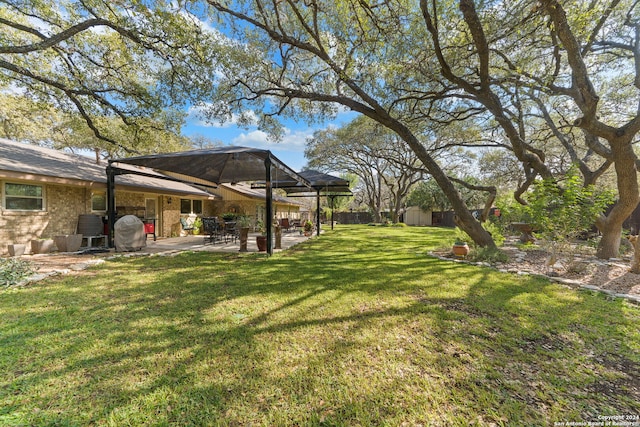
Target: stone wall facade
{"points": [[63, 205]]}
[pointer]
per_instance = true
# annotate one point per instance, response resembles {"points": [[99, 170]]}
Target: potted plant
{"points": [[197, 225], [460, 248], [278, 234], [228, 216], [243, 223], [308, 227], [261, 240], [68, 242]]}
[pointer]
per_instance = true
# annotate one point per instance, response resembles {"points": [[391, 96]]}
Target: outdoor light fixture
{"points": [[169, 201]]}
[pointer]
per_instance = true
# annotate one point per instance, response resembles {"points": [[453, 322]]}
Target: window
{"points": [[98, 201], [197, 207], [185, 206], [188, 206], [23, 197]]}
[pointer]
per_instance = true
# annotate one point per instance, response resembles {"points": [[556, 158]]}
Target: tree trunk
{"points": [[609, 246], [635, 264], [628, 195], [464, 217]]}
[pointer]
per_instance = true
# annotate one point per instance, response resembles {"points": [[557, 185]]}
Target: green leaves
{"points": [[100, 59], [13, 270], [564, 210]]}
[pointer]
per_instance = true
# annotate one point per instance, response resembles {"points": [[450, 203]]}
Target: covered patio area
{"points": [[208, 168]]}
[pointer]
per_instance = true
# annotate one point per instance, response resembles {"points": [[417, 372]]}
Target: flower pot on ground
{"points": [[278, 235], [197, 226], [261, 241], [68, 242], [17, 249], [460, 249], [243, 223], [41, 246], [244, 238]]}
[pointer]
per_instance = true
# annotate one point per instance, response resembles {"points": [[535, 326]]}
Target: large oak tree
{"points": [[582, 58], [306, 58], [385, 167], [454, 60]]}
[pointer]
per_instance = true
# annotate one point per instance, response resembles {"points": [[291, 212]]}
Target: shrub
{"points": [[13, 270], [228, 216], [495, 231], [492, 256], [460, 237]]}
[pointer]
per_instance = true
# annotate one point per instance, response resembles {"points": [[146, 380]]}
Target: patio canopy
{"points": [[217, 165], [210, 167], [319, 184]]}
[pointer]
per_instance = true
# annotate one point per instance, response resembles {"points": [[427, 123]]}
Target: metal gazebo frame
{"points": [[319, 183], [207, 168]]}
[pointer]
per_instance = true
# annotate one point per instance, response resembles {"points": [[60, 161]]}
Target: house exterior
{"points": [[44, 192], [241, 199]]}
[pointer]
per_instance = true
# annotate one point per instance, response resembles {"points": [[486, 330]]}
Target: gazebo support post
{"points": [[111, 204], [318, 212], [269, 197], [332, 199]]}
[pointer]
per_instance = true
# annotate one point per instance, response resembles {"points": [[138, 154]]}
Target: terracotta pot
{"points": [[461, 250], [261, 241]]}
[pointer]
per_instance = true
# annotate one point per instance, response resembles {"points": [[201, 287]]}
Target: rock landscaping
{"points": [[580, 270]]}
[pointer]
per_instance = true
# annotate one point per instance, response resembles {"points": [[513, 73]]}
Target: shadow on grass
{"points": [[358, 327]]}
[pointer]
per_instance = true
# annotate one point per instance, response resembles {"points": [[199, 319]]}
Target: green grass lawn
{"points": [[357, 328]]}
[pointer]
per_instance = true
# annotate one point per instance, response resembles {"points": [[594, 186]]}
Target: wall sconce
{"points": [[169, 201]]}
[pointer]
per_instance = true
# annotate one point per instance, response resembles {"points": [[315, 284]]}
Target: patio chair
{"points": [[230, 231], [185, 226], [285, 225], [212, 229]]}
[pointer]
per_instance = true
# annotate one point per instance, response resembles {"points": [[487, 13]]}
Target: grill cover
{"points": [[129, 234]]}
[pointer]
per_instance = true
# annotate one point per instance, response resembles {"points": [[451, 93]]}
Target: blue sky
{"points": [[290, 150]]}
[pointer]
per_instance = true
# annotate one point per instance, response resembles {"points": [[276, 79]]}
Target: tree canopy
{"points": [[104, 61], [529, 72], [310, 58], [552, 83], [385, 167]]}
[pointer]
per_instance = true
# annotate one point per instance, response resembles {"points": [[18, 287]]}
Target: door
{"points": [[151, 212], [151, 208]]}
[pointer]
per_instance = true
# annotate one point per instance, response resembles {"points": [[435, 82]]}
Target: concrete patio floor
{"points": [[196, 243], [55, 263]]}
